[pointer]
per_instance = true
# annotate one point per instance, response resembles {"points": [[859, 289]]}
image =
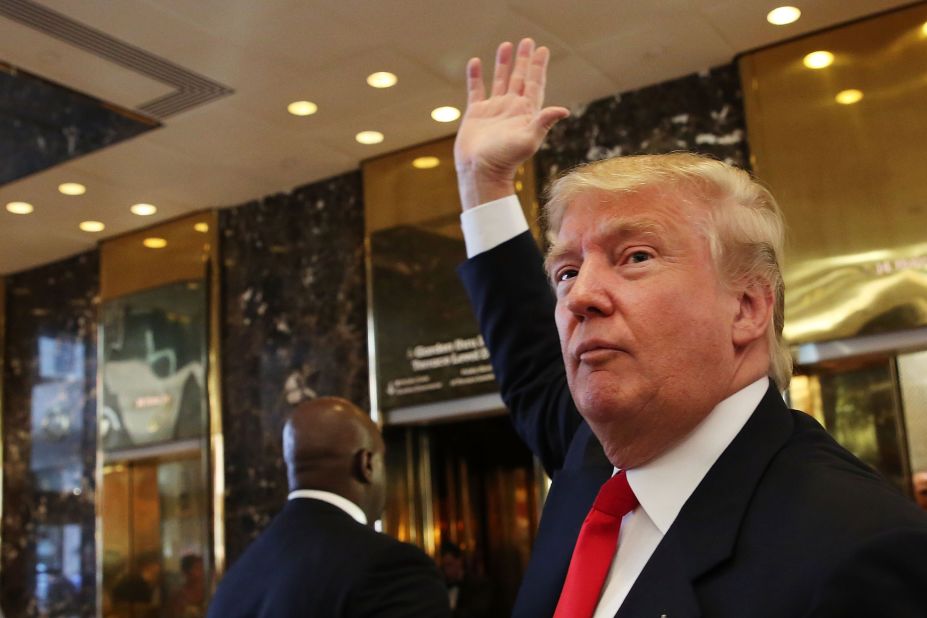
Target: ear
{"points": [[754, 312], [363, 466]]}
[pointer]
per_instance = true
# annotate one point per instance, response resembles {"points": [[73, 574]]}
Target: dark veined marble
{"points": [[702, 112], [49, 440], [44, 124], [294, 327]]}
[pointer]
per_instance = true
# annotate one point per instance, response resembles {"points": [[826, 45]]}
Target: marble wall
{"points": [[294, 327], [45, 124], [48, 558], [702, 112]]}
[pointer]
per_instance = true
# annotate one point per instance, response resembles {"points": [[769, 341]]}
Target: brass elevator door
{"points": [[153, 526], [471, 483]]}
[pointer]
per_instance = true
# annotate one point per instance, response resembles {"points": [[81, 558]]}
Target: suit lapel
{"points": [[706, 530]]}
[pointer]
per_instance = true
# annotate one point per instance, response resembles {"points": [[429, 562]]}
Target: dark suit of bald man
{"points": [[316, 560]]}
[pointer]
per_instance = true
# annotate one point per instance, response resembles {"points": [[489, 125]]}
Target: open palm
{"points": [[501, 132]]}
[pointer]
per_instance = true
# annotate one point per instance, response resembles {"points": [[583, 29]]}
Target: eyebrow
{"points": [[616, 229]]}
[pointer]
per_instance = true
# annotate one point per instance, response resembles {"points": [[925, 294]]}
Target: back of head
{"points": [[330, 444], [745, 229]]}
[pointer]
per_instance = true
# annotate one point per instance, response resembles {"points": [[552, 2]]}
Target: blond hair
{"points": [[744, 230]]}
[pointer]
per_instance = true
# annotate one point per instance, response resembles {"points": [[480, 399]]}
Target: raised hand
{"points": [[499, 133]]}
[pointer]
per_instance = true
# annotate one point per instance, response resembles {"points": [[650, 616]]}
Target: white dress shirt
{"points": [[334, 499], [663, 485]]}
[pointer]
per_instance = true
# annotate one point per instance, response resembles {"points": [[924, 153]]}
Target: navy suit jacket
{"points": [[786, 523], [316, 560]]}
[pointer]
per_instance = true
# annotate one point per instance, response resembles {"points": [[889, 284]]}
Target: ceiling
{"points": [[226, 136]]}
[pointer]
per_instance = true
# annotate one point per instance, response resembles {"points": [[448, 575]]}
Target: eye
{"points": [[565, 273], [636, 257]]}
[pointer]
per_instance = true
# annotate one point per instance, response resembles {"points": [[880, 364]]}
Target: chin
{"points": [[602, 408]]}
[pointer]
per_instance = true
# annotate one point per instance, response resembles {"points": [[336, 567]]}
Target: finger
{"points": [[536, 81], [547, 118], [476, 90], [500, 78], [522, 60]]}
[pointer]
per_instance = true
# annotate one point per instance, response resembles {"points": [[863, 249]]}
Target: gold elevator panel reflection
{"points": [[843, 148], [471, 483], [158, 546]]}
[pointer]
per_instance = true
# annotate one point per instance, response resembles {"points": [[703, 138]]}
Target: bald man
{"points": [[320, 557]]}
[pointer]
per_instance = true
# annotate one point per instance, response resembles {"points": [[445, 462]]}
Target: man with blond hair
{"points": [[649, 386]]}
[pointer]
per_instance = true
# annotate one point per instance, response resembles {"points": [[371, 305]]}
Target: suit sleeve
{"points": [[514, 305], [401, 582], [886, 576]]}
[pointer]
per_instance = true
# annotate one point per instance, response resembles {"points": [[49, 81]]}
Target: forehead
{"points": [[662, 212]]}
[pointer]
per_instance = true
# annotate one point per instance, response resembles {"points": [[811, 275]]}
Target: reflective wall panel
{"points": [[426, 346], [158, 545], [912, 375], [843, 148]]}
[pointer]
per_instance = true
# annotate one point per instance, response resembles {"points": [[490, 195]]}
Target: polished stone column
{"points": [[294, 327], [49, 440]]}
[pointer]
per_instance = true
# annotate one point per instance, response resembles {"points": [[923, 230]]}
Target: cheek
{"points": [[566, 323]]}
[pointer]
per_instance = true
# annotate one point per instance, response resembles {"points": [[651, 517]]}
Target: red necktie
{"points": [[595, 549]]}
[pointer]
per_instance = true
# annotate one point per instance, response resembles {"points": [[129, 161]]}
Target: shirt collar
{"points": [[663, 484], [334, 499]]}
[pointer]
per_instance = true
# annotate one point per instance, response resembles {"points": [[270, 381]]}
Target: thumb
{"points": [[548, 117]]}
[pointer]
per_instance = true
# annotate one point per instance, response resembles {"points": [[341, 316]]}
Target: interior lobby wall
{"points": [[702, 112], [294, 323], [293, 318], [49, 440], [294, 302]]}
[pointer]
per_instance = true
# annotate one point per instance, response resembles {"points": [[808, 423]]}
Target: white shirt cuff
{"points": [[491, 224]]}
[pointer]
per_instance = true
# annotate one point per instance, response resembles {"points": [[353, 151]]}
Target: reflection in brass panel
{"points": [[849, 178], [912, 378], [397, 193], [155, 516], [216, 471], [856, 399], [423, 342], [127, 265], [2, 373], [472, 483]]}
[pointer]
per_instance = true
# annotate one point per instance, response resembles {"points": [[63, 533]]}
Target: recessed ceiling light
{"points": [[72, 188], [818, 59], [924, 29], [20, 208], [445, 114], [92, 226], [783, 15], [302, 108], [369, 137], [426, 163], [382, 79], [143, 210], [201, 227], [849, 96], [155, 243]]}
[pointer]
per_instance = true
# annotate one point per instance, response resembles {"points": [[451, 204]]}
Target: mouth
{"points": [[595, 351]]}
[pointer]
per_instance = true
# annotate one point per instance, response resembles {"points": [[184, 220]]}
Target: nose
{"points": [[588, 295]]}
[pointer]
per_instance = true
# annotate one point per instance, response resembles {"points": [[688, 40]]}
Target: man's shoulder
{"points": [[814, 482]]}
